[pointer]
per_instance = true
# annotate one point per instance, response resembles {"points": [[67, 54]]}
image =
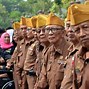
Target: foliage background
{"points": [[12, 10]]}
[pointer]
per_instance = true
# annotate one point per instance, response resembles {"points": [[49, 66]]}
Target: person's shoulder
{"points": [[32, 46]]}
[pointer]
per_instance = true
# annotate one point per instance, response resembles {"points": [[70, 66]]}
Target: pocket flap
{"points": [[20, 54]]}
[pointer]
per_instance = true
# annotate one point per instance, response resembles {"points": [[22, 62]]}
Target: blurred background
{"points": [[12, 10]]}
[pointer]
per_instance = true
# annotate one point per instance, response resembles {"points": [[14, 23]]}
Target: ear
{"points": [[63, 33]]}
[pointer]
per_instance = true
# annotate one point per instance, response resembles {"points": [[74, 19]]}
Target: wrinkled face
{"points": [[23, 30], [41, 34], [6, 38], [82, 32], [54, 33], [70, 34], [30, 34], [17, 34]]}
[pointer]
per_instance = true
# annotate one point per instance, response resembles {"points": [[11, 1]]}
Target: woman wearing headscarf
{"points": [[6, 51]]}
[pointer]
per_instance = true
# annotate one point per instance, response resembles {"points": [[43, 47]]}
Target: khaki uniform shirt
{"points": [[30, 57], [23, 47], [73, 69], [84, 56], [68, 75], [39, 59], [53, 67]]}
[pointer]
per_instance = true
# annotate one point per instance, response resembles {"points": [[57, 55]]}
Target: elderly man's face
{"points": [[18, 33], [30, 35], [82, 32], [41, 34], [54, 33], [71, 35], [23, 30]]}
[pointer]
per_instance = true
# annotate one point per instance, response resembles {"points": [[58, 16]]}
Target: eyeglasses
{"points": [[40, 30], [23, 28], [53, 29]]}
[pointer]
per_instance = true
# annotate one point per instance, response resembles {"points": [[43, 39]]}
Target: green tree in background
{"points": [[12, 10], [15, 15], [3, 16], [58, 2]]}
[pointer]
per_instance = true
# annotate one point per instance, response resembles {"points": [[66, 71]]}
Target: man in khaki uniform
{"points": [[23, 46], [33, 52], [74, 47], [81, 28], [68, 75], [80, 20], [12, 61], [43, 44], [54, 57], [30, 58]]}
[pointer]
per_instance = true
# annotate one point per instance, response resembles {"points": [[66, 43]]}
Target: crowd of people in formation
{"points": [[46, 52]]}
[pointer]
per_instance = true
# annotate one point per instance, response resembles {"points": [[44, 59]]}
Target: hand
{"points": [[8, 65], [1, 67], [20, 82], [2, 60]]}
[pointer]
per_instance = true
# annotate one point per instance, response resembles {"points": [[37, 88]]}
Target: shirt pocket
{"points": [[59, 73], [30, 52]]}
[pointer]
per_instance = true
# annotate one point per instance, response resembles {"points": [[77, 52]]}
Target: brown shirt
{"points": [[74, 67], [39, 61], [53, 66], [23, 47], [83, 56], [30, 57], [68, 75], [85, 74]]}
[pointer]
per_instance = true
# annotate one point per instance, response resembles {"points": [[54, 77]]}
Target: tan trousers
{"points": [[24, 82], [31, 80], [15, 78]]}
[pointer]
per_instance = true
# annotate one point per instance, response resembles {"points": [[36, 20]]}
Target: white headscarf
{"points": [[10, 32]]}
